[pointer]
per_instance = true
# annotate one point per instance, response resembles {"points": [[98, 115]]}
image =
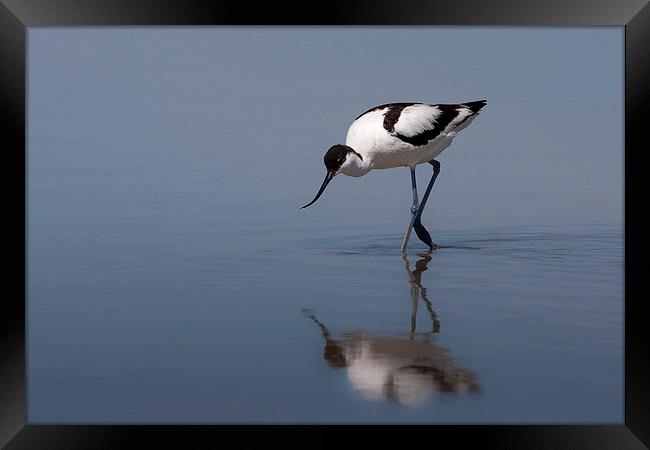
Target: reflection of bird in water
{"points": [[402, 370]]}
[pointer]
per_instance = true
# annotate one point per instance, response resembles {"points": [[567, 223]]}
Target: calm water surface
{"points": [[155, 324]]}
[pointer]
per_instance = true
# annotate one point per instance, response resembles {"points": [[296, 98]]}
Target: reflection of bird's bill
{"points": [[328, 177]]}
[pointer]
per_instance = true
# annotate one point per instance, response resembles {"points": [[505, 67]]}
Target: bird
{"points": [[400, 135]]}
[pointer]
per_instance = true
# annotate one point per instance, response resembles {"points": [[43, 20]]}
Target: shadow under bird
{"points": [[400, 135]]}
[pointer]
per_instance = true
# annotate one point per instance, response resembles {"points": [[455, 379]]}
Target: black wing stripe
{"points": [[447, 115], [392, 116]]}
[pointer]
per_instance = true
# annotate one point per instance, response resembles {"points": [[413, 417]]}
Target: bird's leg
{"points": [[414, 211], [420, 231]]}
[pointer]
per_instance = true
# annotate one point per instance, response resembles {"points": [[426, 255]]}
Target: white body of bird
{"points": [[382, 148]]}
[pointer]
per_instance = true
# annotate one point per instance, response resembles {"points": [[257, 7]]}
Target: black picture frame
{"points": [[17, 15]]}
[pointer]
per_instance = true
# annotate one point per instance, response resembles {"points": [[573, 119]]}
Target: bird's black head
{"points": [[334, 158]]}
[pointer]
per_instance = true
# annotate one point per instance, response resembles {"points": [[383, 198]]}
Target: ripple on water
{"points": [[529, 246]]}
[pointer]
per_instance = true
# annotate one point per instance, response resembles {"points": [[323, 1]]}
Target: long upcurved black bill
{"points": [[328, 178]]}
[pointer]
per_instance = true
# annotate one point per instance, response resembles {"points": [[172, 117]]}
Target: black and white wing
{"points": [[418, 123]]}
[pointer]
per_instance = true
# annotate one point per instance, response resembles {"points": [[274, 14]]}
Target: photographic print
{"points": [[325, 225]]}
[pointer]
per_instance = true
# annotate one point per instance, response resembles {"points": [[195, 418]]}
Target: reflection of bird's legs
{"points": [[421, 266], [414, 295], [414, 308], [434, 317], [418, 291]]}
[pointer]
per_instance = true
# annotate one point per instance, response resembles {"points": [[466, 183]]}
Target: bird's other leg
{"points": [[420, 231], [414, 211]]}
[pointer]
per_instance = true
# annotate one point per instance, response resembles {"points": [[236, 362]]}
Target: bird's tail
{"points": [[475, 106]]}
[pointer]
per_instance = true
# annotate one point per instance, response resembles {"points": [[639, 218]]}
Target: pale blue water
{"points": [[165, 317], [172, 277]]}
